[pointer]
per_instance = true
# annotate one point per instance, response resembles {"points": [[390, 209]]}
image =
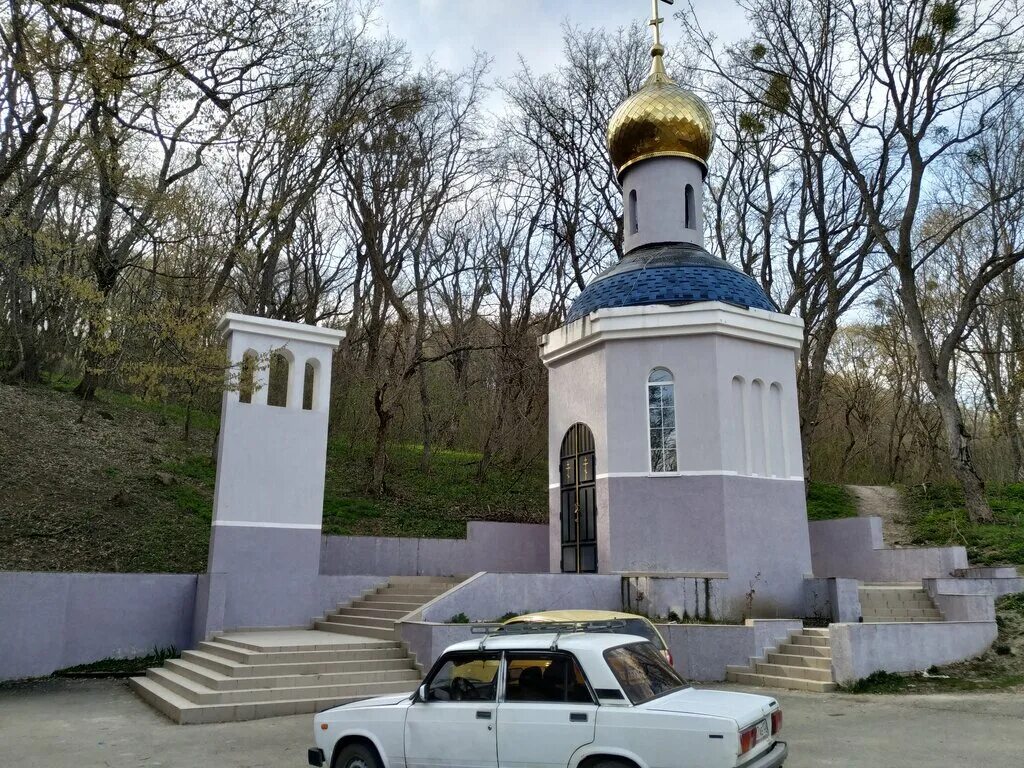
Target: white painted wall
{"points": [[660, 187], [271, 460]]}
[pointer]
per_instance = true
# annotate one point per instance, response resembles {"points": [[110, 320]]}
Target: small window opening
{"points": [[634, 222], [246, 377], [308, 383], [661, 411], [277, 387], [691, 212]]}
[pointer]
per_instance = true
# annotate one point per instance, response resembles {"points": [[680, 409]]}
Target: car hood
{"points": [[379, 701], [744, 708]]}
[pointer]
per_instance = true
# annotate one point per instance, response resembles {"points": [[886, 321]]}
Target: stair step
{"points": [[899, 619], [805, 650], [815, 631], [809, 640], [387, 605], [782, 670], [745, 677], [362, 621], [373, 672], [346, 652], [391, 614], [355, 629], [201, 694], [785, 659], [183, 711]]}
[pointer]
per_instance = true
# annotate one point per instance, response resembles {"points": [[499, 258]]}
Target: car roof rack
{"points": [[558, 628]]}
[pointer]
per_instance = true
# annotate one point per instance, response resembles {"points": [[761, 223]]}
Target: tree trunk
{"points": [[428, 421], [380, 445], [936, 378]]}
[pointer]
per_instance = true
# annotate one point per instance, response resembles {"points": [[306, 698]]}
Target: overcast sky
{"points": [[450, 30]]}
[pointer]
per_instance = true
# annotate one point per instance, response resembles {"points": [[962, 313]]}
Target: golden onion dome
{"points": [[660, 120]]}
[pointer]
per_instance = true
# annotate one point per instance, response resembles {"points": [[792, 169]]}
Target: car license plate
{"points": [[763, 730]]}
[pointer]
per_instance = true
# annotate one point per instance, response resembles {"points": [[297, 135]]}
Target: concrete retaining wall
{"points": [[860, 649], [250, 601], [853, 548], [490, 595], [701, 652], [49, 621], [494, 547], [835, 599], [963, 599]]}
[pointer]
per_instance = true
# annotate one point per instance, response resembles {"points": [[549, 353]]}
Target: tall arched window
{"points": [[691, 210], [247, 377], [661, 413], [277, 386], [634, 221]]}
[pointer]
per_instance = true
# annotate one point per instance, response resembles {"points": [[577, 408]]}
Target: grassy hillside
{"points": [[936, 515], [123, 491], [829, 501]]}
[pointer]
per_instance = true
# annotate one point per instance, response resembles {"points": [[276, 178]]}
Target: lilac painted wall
{"points": [[49, 621], [494, 547], [852, 548], [860, 649], [701, 652], [491, 595]]}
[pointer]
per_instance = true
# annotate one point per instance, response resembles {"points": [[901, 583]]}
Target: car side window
{"points": [[465, 677], [545, 677]]}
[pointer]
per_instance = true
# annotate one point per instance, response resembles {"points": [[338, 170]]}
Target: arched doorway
{"points": [[579, 500]]}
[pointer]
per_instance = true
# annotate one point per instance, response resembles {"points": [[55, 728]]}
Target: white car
{"points": [[576, 700]]}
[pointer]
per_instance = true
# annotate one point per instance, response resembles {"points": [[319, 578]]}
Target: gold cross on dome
{"points": [[656, 21]]}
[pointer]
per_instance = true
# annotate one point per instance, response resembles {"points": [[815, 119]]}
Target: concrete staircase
{"points": [[896, 602], [376, 614], [802, 663], [353, 653]]}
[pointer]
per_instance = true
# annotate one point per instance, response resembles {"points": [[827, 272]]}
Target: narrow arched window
{"points": [[277, 386], [247, 377], [661, 413], [309, 382], [634, 220], [691, 211]]}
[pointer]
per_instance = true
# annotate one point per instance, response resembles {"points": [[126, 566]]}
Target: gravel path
{"points": [[882, 501]]}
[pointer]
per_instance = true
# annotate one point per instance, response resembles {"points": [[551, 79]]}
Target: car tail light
{"points": [[776, 721], [748, 739]]}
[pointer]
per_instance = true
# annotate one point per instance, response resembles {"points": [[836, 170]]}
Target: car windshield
{"points": [[642, 672]]}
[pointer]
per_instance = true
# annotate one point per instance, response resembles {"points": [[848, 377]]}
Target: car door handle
{"points": [[483, 714], [577, 717]]}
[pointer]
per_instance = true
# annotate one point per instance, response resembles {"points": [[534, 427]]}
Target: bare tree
{"points": [[893, 90]]}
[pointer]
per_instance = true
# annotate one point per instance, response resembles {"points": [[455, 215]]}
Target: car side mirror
{"points": [[421, 693]]}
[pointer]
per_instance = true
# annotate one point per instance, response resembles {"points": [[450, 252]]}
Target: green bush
{"points": [[459, 618]]}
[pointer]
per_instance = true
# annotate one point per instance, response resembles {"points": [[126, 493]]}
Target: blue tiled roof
{"points": [[676, 273]]}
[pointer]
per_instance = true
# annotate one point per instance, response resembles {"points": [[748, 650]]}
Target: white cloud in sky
{"points": [[450, 30]]}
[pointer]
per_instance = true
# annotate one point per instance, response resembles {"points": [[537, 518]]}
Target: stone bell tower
{"points": [[674, 442], [264, 560]]}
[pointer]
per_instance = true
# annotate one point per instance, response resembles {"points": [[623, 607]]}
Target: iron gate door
{"points": [[579, 501]]}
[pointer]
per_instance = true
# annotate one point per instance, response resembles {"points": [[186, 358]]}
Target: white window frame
{"points": [[675, 420]]}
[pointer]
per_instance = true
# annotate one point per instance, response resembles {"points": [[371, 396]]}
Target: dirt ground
{"points": [[882, 501], [86, 496], [88, 724]]}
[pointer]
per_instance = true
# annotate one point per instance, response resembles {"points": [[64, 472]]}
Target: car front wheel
{"points": [[356, 756]]}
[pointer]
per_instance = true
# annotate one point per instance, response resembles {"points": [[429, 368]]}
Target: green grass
{"points": [[120, 667], [936, 516], [829, 501], [416, 503]]}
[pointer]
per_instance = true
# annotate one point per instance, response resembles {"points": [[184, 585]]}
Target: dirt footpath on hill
{"points": [[88, 724], [882, 501]]}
